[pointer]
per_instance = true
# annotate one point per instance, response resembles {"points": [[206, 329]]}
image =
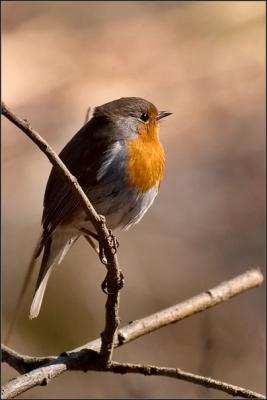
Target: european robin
{"points": [[118, 160]]}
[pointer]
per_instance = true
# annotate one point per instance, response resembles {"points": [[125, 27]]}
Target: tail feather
{"points": [[55, 249], [55, 246], [66, 249], [39, 294], [36, 254]]}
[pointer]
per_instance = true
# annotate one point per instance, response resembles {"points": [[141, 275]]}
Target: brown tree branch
{"points": [[22, 363], [177, 373], [114, 276], [89, 361], [50, 367]]}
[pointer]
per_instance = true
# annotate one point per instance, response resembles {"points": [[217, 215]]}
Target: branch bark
{"points": [[177, 373], [86, 357], [89, 361]]}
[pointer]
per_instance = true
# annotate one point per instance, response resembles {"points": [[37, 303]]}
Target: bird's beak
{"points": [[163, 114]]}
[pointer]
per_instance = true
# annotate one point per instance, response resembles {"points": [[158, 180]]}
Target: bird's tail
{"points": [[36, 254], [55, 249]]}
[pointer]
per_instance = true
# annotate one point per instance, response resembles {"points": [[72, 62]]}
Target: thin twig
{"points": [[198, 303], [113, 279], [53, 366], [40, 376], [22, 363], [177, 373]]}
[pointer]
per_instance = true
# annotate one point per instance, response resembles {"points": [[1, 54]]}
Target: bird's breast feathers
{"points": [[146, 161]]}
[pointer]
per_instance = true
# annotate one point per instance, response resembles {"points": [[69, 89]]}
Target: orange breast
{"points": [[146, 158]]}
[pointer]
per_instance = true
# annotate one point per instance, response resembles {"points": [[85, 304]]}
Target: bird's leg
{"points": [[114, 244], [88, 235], [99, 251]]}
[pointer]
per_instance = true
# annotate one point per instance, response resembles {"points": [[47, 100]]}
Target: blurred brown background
{"points": [[204, 61]]}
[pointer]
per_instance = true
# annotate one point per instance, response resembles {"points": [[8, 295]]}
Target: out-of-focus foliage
{"points": [[203, 61]]}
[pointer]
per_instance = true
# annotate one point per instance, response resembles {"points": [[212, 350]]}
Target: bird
{"points": [[119, 161]]}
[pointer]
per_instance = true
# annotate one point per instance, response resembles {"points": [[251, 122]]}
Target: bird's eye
{"points": [[144, 117]]}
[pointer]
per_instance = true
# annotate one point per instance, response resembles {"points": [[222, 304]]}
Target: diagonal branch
{"points": [[113, 279], [54, 366]]}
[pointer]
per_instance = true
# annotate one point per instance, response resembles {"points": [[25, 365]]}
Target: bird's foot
{"points": [[118, 285]]}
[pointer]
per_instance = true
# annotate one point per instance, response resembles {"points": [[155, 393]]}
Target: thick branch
{"points": [[201, 302], [106, 238]]}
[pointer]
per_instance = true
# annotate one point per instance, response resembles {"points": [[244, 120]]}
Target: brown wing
{"points": [[83, 156]]}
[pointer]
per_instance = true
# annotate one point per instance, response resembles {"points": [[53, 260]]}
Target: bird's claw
{"points": [[119, 284], [113, 242]]}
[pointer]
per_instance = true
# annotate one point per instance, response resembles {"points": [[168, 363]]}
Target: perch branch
{"points": [[113, 279], [88, 360], [50, 367]]}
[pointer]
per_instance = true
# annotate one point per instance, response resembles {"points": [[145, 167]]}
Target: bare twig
{"points": [[22, 363], [177, 373], [39, 376], [53, 366], [113, 279], [89, 361], [198, 303]]}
